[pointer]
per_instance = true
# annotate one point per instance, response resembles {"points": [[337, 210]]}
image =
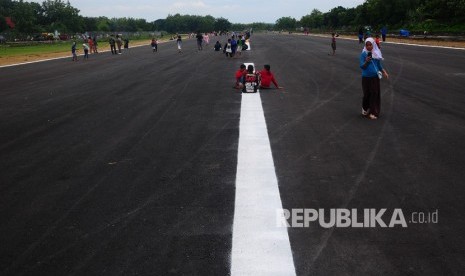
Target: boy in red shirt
{"points": [[239, 76], [267, 78]]}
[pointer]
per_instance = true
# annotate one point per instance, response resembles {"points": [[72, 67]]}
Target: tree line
{"points": [[429, 15], [25, 18]]}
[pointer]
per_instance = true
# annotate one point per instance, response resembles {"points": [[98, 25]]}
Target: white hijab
{"points": [[376, 52]]}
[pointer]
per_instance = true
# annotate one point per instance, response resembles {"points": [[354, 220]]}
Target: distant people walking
{"points": [[91, 44], [233, 45], [360, 35], [126, 43], [73, 51], [267, 78], [112, 43], [239, 45], [179, 43], [372, 71], [154, 45], [206, 39], [333, 44], [199, 37], [86, 51], [95, 44], [384, 33], [228, 48], [119, 43]]}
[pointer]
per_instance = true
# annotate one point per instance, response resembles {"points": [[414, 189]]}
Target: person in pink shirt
{"points": [[206, 39]]}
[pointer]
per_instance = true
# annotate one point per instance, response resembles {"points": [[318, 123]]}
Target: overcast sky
{"points": [[236, 11]]}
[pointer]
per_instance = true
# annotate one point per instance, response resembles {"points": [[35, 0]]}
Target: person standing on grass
{"points": [[370, 63]]}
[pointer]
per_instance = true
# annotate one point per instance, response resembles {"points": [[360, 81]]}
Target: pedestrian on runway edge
{"points": [[333, 44], [86, 51], [154, 45], [179, 43], [370, 63], [73, 51]]}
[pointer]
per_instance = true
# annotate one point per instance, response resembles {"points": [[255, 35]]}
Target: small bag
{"points": [[380, 74]]}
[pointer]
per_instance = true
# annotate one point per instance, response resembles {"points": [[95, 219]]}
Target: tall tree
{"points": [[222, 24], [62, 16], [26, 16], [285, 23]]}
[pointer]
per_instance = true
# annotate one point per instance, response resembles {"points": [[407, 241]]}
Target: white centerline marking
{"points": [[259, 246]]}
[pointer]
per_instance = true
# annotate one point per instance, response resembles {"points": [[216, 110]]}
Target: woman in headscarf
{"points": [[372, 71]]}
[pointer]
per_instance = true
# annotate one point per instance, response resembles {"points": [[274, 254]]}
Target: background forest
{"points": [[19, 19]]}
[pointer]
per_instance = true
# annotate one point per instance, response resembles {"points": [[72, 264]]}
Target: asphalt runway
{"points": [[126, 165]]}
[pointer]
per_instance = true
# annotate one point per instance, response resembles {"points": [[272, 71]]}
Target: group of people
{"points": [[248, 80], [117, 42], [233, 46], [90, 46]]}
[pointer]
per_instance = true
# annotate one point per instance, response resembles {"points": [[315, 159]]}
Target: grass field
{"points": [[11, 50], [43, 48], [28, 53]]}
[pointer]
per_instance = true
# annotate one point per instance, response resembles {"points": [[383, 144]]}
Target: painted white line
{"points": [[259, 247]]}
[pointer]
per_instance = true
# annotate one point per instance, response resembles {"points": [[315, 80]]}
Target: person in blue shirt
{"points": [[233, 45], [384, 33], [372, 71]]}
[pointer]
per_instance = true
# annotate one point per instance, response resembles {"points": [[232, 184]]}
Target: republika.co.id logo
{"points": [[343, 218]]}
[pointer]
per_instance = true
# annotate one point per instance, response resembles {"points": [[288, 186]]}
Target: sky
{"points": [[236, 11]]}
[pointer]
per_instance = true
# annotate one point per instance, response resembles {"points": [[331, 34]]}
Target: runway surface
{"points": [[128, 164]]}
